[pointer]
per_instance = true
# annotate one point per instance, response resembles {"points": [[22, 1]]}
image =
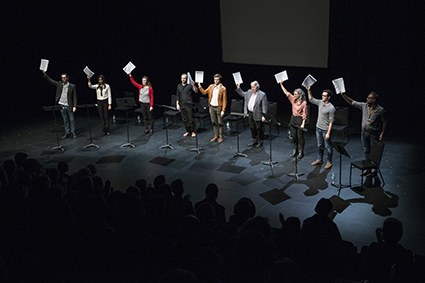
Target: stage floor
{"points": [[273, 191]]}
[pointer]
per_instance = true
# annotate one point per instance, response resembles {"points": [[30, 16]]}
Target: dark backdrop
{"points": [[375, 45]]}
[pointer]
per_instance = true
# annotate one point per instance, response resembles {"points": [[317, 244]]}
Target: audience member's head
{"points": [[177, 187], [211, 191], [323, 207], [92, 169], [160, 179], [392, 231], [63, 167]]}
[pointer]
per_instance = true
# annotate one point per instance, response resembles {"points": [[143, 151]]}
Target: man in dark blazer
{"points": [[66, 97], [255, 104]]}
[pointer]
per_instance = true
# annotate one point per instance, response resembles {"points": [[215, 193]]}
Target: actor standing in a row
{"points": [[104, 102], [146, 102], [324, 124], [66, 97], [255, 104], [298, 118], [217, 101], [184, 103]]}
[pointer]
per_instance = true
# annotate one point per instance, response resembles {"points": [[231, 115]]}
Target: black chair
{"points": [[372, 163], [171, 112], [202, 111], [272, 111], [340, 125], [236, 107]]}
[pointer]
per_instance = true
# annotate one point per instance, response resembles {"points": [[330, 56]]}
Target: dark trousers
{"points": [[297, 135], [257, 130], [102, 107], [187, 116], [147, 115]]}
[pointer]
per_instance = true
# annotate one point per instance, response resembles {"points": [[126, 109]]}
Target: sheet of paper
{"points": [[309, 81], [282, 76], [189, 78], [199, 77], [44, 64], [88, 72], [339, 85], [129, 68], [238, 78]]}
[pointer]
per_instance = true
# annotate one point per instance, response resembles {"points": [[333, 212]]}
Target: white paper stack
{"points": [[189, 78], [88, 72], [237, 77], [309, 81], [339, 85], [199, 76], [282, 76], [129, 68], [44, 64]]}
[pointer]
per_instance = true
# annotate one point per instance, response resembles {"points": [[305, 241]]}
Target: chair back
{"points": [[341, 116], [376, 152], [272, 109], [237, 106], [173, 100]]}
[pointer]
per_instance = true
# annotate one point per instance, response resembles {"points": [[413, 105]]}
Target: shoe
{"points": [[193, 134], [328, 166], [220, 140], [260, 144], [365, 172], [214, 139], [254, 143], [74, 136], [65, 136], [186, 134], [317, 162], [103, 133], [108, 133], [300, 155], [146, 132], [294, 153], [151, 132]]}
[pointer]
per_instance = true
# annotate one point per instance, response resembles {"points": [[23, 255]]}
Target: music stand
{"points": [[128, 103], [196, 149], [271, 120], [53, 108], [87, 106], [296, 174], [342, 151], [237, 135], [165, 107]]}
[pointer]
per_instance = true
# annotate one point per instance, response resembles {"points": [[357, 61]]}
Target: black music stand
{"points": [[339, 146], [296, 174], [270, 119], [237, 134], [87, 106], [128, 103], [165, 107], [53, 108]]}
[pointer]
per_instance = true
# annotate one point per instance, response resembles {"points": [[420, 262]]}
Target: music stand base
{"points": [[296, 175], [91, 145], [270, 163], [339, 187], [58, 147], [197, 149], [128, 144], [166, 146], [240, 154]]}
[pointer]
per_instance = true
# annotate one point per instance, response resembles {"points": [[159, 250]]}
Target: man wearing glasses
{"points": [[66, 97], [325, 119]]}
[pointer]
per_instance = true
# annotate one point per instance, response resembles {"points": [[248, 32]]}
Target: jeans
{"points": [[216, 121], [68, 119], [322, 142], [367, 139]]}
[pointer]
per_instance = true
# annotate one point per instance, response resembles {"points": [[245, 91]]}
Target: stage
{"points": [[273, 191]]}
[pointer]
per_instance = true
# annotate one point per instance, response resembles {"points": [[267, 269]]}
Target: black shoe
{"points": [[108, 133], [294, 153], [146, 132], [74, 136], [151, 132], [260, 144], [300, 155], [65, 136], [103, 133]]}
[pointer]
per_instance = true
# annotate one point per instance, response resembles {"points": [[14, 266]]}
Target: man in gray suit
{"points": [[66, 97], [255, 104]]}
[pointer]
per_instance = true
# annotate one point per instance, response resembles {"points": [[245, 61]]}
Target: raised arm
{"points": [[49, 79], [134, 82], [346, 98], [310, 95], [195, 89], [284, 89]]}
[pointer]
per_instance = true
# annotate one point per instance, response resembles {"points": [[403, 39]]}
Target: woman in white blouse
{"points": [[104, 102]]}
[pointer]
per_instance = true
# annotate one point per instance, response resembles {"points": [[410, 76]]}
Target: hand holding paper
{"points": [[339, 85], [44, 64], [199, 76], [281, 77], [129, 68], [238, 78], [189, 78], [88, 72], [309, 81]]}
